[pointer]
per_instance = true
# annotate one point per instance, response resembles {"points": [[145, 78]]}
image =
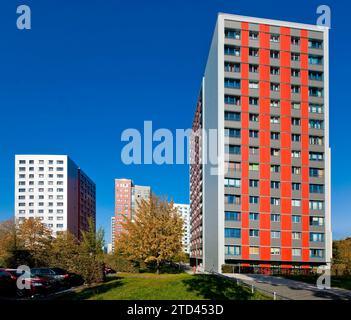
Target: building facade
{"points": [[266, 91], [127, 197], [55, 190], [184, 211]]}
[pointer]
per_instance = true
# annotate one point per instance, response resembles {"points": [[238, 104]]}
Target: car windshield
{"points": [[59, 271], [41, 271]]}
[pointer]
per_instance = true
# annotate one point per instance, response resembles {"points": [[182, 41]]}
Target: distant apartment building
{"points": [[55, 190], [266, 90], [113, 239], [184, 211], [127, 196]]}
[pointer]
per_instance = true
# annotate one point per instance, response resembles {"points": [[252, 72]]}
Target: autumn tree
{"points": [[342, 257], [8, 242], [36, 238], [154, 235]]}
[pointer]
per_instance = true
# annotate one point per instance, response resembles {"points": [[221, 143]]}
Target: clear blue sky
{"points": [[89, 69]]}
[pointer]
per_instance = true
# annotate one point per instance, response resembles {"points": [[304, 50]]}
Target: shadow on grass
{"points": [[216, 288], [89, 292]]}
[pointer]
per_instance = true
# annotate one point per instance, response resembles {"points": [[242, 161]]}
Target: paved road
{"points": [[291, 289]]}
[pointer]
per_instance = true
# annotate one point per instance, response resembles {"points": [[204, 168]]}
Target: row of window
{"points": [[40, 211], [274, 201], [39, 161], [40, 204], [274, 54], [274, 37], [40, 176], [255, 250], [21, 190], [40, 183], [275, 217], [40, 169], [49, 225]]}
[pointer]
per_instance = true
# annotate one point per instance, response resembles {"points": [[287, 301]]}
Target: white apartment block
{"points": [[184, 210], [55, 190]]}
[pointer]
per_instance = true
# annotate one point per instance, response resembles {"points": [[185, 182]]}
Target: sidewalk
{"points": [[291, 289]]}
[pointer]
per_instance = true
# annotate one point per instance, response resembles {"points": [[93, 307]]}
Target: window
{"points": [[232, 50], [254, 250], [295, 121], [275, 87], [316, 205], [232, 250], [295, 73], [295, 41], [316, 237], [296, 203], [296, 252], [296, 218], [233, 166], [275, 119], [232, 216], [232, 33], [317, 141], [253, 68], [275, 71], [317, 221], [316, 172], [232, 83], [274, 54], [254, 233], [315, 44], [295, 137], [274, 38], [253, 216], [253, 52], [316, 188], [315, 75], [253, 101], [232, 199], [232, 149], [253, 183], [316, 156], [275, 234], [253, 199], [275, 251], [232, 233], [295, 235], [253, 117], [232, 116], [275, 152], [253, 84], [296, 186], [253, 166], [295, 88], [296, 105], [232, 133], [254, 150], [232, 183], [253, 133], [315, 108], [315, 92], [275, 217], [275, 184], [231, 67], [313, 59], [275, 103], [253, 35], [275, 135], [295, 154], [275, 201], [59, 225], [295, 56], [316, 253], [228, 99], [275, 168]]}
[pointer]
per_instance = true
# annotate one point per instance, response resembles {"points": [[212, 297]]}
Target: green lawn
{"points": [[147, 286], [336, 281]]}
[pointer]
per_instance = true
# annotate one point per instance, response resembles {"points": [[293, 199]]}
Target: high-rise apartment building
{"points": [[127, 197], [55, 190], [266, 91], [184, 211]]}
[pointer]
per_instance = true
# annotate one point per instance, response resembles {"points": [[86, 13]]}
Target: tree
{"points": [[36, 238], [342, 256], [8, 243], [155, 236]]}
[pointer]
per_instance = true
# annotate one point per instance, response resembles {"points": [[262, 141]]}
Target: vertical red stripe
{"points": [[244, 141], [264, 136]]}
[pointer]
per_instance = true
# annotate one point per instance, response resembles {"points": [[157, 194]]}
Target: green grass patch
{"points": [[147, 286]]}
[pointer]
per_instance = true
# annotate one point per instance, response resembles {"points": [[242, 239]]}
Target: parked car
{"points": [[108, 270], [7, 284], [37, 284], [61, 276]]}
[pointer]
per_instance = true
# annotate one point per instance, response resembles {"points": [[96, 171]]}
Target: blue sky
{"points": [[89, 69]]}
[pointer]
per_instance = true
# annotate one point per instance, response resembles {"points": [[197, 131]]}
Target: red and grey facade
{"points": [[266, 91]]}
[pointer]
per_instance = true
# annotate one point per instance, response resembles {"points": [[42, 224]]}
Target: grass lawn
{"points": [[336, 281], [147, 286]]}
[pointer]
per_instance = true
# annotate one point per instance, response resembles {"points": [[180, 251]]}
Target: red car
{"points": [[37, 285], [7, 284]]}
